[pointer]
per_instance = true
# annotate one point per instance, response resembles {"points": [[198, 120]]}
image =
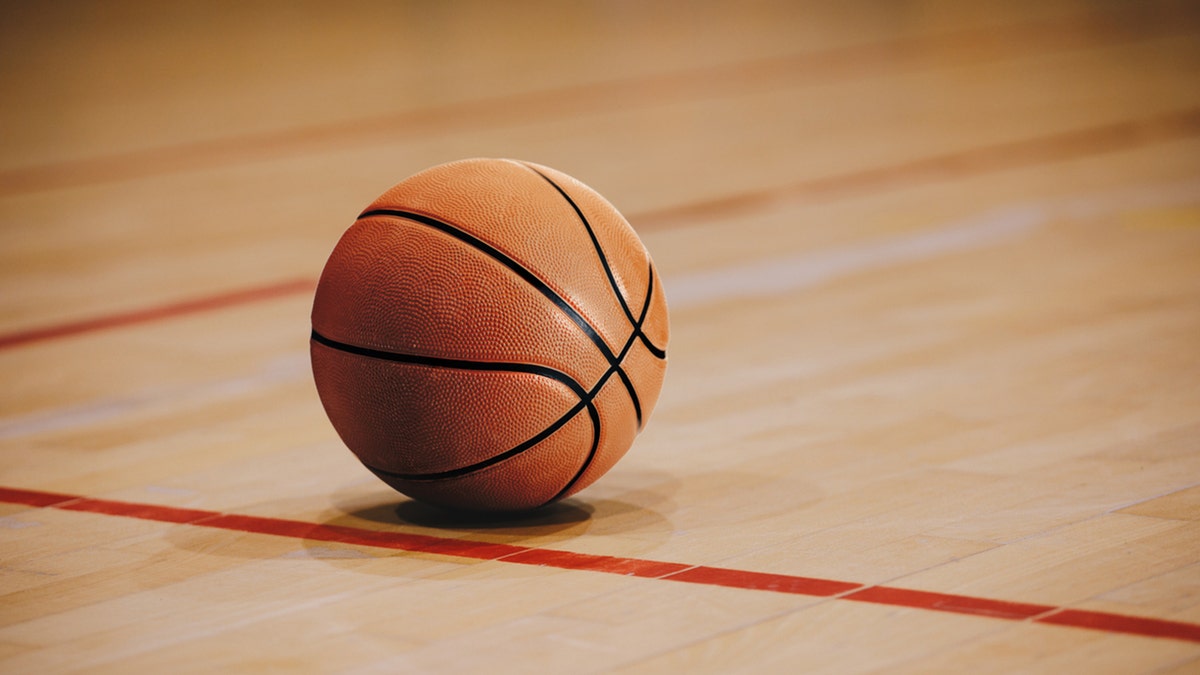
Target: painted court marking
{"points": [[159, 312], [1126, 135], [1121, 136], [652, 569], [760, 278]]}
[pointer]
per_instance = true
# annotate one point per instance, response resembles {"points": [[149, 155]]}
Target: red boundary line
{"points": [[652, 569], [166, 311], [1124, 135], [1063, 146]]}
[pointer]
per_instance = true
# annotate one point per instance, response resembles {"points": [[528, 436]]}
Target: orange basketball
{"points": [[489, 335]]}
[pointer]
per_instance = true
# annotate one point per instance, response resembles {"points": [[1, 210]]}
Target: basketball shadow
{"points": [[623, 517], [545, 520], [624, 503]]}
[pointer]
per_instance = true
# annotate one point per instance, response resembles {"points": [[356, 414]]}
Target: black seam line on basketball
{"points": [[637, 331], [586, 401], [587, 462], [654, 349], [612, 280], [595, 414], [520, 270], [616, 291], [459, 364], [495, 459], [614, 361]]}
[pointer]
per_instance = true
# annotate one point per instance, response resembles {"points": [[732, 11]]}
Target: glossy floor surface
{"points": [[933, 402]]}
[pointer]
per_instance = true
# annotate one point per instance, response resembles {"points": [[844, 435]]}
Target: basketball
{"points": [[489, 335]]}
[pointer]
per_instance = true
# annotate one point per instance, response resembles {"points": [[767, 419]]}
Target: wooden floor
{"points": [[933, 402]]}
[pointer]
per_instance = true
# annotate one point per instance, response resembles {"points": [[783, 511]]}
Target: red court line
{"points": [[1030, 152], [134, 510], [1134, 625], [1068, 145], [33, 497], [155, 313], [762, 581], [416, 543], [634, 567], [565, 560], [962, 604]]}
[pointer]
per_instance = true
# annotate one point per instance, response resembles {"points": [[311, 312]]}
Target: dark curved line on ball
{"points": [[633, 395], [587, 462], [637, 333], [658, 352], [495, 459], [612, 279], [516, 267], [586, 398], [458, 364], [586, 401]]}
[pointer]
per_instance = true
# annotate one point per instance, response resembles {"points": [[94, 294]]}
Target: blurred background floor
{"points": [[934, 271]]}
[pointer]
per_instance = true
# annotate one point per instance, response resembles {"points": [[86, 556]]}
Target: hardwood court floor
{"points": [[932, 404]]}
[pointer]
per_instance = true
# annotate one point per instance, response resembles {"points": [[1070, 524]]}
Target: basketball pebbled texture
{"points": [[489, 335]]}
